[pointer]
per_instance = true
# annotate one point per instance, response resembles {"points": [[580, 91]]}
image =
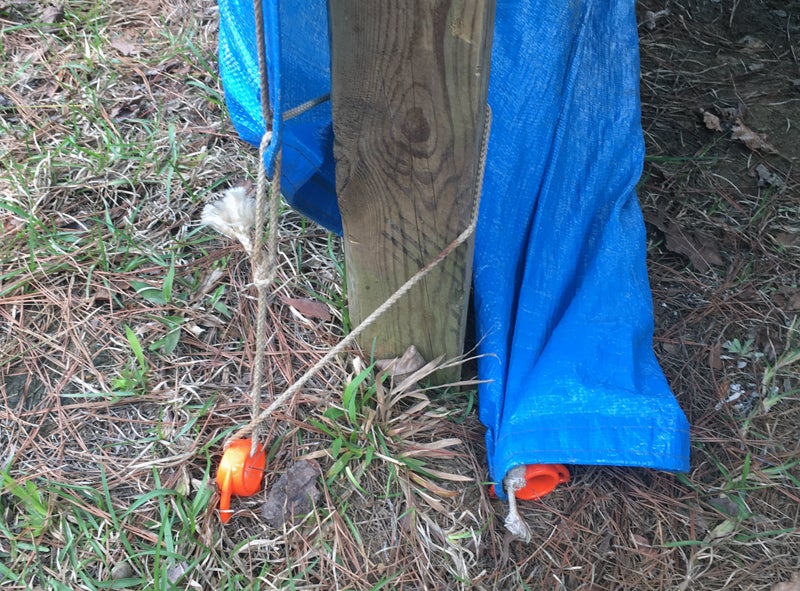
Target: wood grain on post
{"points": [[408, 91]]}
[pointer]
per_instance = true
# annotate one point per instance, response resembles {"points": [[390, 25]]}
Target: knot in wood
{"points": [[415, 126]]}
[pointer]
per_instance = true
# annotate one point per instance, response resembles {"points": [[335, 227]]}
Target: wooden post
{"points": [[408, 91]]}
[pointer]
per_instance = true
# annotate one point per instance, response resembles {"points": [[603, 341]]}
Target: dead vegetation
{"points": [[126, 337]]}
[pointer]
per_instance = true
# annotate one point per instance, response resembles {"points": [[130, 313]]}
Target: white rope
{"points": [[263, 267], [514, 481]]}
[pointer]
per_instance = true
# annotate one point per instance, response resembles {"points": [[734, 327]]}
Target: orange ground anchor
{"points": [[540, 480], [239, 474]]}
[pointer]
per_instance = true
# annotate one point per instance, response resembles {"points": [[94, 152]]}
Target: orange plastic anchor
{"points": [[239, 474], [540, 480]]}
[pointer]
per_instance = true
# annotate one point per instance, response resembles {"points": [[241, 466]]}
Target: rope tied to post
{"points": [[263, 266], [259, 417]]}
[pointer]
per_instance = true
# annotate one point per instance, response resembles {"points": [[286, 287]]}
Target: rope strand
{"points": [[263, 267]]}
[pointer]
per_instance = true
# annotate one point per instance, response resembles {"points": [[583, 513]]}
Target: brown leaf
{"points": [[309, 307], [294, 494], [703, 251], [651, 18], [671, 349], [176, 571], [125, 46], [788, 299], [725, 505], [124, 110], [794, 302], [712, 121], [787, 239], [410, 362], [122, 570], [751, 44], [210, 281], [643, 546], [715, 357], [793, 585], [52, 14], [767, 178], [751, 139]]}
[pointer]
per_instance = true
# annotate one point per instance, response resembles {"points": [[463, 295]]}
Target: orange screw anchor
{"points": [[540, 480], [239, 474]]}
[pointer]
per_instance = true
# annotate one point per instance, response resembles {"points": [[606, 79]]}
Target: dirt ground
{"points": [[721, 103], [109, 442]]}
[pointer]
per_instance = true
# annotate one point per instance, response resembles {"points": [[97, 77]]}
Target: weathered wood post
{"points": [[408, 91]]}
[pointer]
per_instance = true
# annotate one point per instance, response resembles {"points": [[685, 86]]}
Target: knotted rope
{"points": [[263, 266]]}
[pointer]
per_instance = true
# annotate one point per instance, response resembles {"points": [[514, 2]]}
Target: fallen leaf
{"points": [[711, 121], [793, 585], [725, 505], [787, 239], [651, 18], [194, 329], [124, 110], [750, 138], [52, 14], [643, 546], [791, 299], [294, 494], [715, 357], [176, 571], [124, 45], [9, 224], [671, 349], [309, 307], [122, 570], [702, 250], [410, 362], [210, 281], [751, 44], [723, 529], [767, 178]]}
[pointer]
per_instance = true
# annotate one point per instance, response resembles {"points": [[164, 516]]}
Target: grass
{"points": [[126, 344], [127, 364]]}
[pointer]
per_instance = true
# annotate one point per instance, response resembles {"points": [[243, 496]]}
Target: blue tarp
{"points": [[562, 300]]}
